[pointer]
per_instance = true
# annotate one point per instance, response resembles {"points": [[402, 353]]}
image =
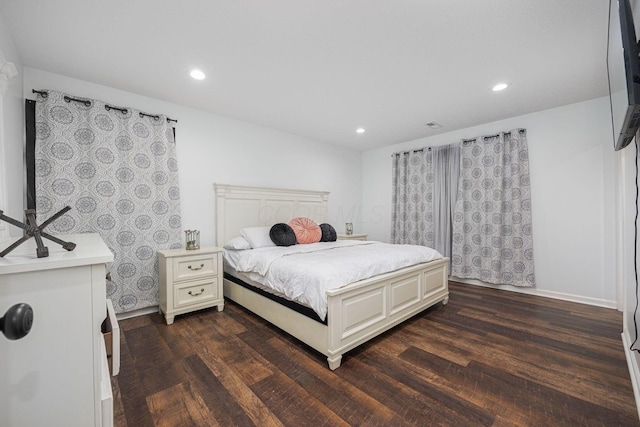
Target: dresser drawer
{"points": [[194, 266], [196, 292], [111, 335]]}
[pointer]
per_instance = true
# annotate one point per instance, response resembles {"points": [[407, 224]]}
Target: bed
{"points": [[356, 312]]}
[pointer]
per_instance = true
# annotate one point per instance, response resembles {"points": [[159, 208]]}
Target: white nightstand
{"points": [[190, 280], [352, 236]]}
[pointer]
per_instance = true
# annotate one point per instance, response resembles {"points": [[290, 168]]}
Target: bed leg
{"points": [[334, 362], [445, 301]]}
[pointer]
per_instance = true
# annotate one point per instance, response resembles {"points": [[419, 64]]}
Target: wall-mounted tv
{"points": [[623, 67]]}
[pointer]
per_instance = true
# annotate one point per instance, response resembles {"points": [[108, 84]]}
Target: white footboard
{"points": [[367, 308]]}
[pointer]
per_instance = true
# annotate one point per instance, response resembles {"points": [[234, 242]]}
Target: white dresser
{"points": [[57, 375]]}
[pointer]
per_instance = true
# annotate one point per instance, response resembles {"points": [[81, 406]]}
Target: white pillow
{"points": [[237, 243], [258, 237]]}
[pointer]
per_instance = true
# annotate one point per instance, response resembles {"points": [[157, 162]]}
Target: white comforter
{"points": [[304, 273]]}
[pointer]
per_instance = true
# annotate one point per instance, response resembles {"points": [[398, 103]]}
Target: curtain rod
{"points": [[492, 136], [463, 141], [108, 107], [417, 150]]}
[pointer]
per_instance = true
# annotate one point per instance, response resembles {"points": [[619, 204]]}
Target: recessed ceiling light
{"points": [[499, 87], [361, 130], [197, 75]]}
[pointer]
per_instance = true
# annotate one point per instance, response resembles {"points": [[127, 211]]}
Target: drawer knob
{"points": [[195, 295], [195, 268], [17, 321]]}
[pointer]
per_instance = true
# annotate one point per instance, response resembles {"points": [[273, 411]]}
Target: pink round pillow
{"points": [[306, 230]]}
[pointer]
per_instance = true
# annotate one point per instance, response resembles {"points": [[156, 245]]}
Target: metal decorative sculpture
{"points": [[32, 229]]}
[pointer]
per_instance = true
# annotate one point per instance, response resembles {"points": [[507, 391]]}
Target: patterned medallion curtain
{"points": [[424, 187], [412, 198], [117, 169], [492, 233]]}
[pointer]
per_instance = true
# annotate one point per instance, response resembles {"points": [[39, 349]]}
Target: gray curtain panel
{"points": [[492, 233], [446, 170], [118, 171], [424, 188]]}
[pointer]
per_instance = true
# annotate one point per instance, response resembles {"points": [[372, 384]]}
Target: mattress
{"points": [[280, 299], [304, 273]]}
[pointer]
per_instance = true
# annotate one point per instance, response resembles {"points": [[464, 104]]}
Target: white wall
{"points": [[13, 129], [626, 182], [213, 148], [572, 165], [625, 250]]}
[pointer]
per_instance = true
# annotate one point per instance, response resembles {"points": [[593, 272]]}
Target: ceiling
{"points": [[322, 68]]}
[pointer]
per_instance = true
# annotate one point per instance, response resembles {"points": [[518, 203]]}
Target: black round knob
{"points": [[17, 321]]}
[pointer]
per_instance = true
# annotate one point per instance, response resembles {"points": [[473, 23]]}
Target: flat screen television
{"points": [[623, 67]]}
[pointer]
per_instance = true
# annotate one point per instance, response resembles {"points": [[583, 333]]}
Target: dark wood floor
{"points": [[488, 358]]}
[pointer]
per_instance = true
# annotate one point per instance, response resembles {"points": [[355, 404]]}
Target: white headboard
{"points": [[239, 206]]}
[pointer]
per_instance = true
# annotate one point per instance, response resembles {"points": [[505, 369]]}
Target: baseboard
{"points": [[634, 369], [542, 293], [138, 312]]}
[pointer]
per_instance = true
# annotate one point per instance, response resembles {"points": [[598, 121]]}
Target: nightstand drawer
{"points": [[194, 266], [196, 292]]}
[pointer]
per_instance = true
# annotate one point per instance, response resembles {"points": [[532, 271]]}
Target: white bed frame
{"points": [[356, 312]]}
